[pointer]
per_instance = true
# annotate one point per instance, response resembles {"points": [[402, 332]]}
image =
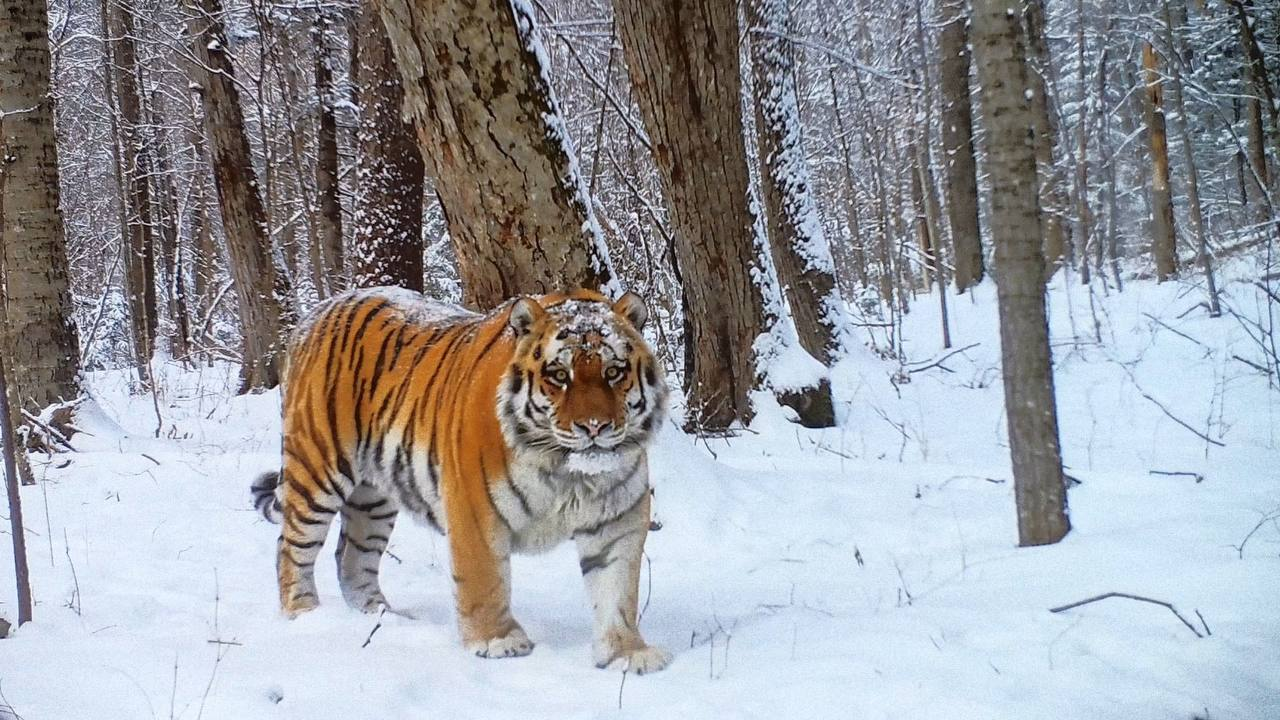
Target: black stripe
{"points": [[600, 524]]}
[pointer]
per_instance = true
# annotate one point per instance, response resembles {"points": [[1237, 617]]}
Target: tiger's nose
{"points": [[593, 426]]}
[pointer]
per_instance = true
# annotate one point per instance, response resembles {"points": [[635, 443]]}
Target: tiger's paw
{"points": [[641, 660], [299, 604], [513, 644]]}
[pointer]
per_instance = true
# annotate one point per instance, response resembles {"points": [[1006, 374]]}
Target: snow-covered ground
{"points": [[868, 571]]}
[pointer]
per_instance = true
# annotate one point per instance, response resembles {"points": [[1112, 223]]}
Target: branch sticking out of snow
{"points": [[1127, 596]]}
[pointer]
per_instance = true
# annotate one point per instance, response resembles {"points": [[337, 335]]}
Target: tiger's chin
{"points": [[596, 461]]}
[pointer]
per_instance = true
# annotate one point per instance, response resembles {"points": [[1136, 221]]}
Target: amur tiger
{"points": [[509, 432]]}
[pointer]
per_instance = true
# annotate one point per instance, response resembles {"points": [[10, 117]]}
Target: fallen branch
{"points": [[1178, 473], [1127, 596], [1166, 411], [938, 363]]}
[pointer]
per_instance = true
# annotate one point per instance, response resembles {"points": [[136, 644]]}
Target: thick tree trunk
{"points": [[135, 156], [244, 221], [1000, 51], [957, 144], [683, 62], [495, 143], [329, 220], [1053, 198], [389, 171], [40, 341], [1163, 246], [800, 253]]}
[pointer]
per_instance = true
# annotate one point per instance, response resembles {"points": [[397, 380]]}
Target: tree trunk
{"points": [[496, 145], [683, 62], [1084, 217], [135, 156], [389, 172], [957, 144], [1000, 51], [1163, 246], [329, 222], [1173, 41], [1045, 128], [800, 253], [1258, 95], [857, 246], [40, 339], [244, 221]]}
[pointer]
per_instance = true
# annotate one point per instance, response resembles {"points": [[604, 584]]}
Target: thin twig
{"points": [[375, 628], [1207, 631], [938, 363], [1127, 596], [1265, 518]]}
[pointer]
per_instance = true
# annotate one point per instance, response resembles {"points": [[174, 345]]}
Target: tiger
{"points": [[511, 431]]}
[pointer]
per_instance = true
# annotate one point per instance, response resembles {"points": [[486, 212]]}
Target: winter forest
{"points": [[966, 312]]}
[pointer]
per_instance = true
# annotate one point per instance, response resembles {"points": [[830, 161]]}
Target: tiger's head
{"points": [[583, 385]]}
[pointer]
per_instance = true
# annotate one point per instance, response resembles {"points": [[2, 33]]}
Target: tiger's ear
{"points": [[525, 313], [631, 306]]}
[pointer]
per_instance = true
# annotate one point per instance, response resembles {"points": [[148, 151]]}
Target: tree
{"points": [[1000, 50], [389, 172], [1052, 196], [1162, 231], [800, 251], [957, 144], [491, 131], [329, 219], [244, 220], [40, 341], [134, 169], [684, 68]]}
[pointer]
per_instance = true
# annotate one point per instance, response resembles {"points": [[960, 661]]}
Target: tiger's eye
{"points": [[612, 374], [559, 376]]}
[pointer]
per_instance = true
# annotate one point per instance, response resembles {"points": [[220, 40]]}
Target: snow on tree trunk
{"points": [[1000, 51], [957, 144], [389, 171], [800, 252], [244, 220], [39, 340], [477, 89]]}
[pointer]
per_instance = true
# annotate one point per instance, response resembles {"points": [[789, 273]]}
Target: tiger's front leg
{"points": [[481, 556], [610, 561]]}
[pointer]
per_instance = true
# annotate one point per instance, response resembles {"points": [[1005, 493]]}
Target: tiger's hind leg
{"points": [[367, 520], [308, 505]]}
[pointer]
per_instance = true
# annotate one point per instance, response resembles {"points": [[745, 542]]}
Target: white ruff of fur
{"points": [[600, 462]]}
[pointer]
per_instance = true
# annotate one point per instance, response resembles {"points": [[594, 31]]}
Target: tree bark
{"points": [[682, 58], [1163, 246], [1000, 51], [800, 253], [1052, 196], [244, 221], [329, 222], [957, 144], [389, 171], [1259, 96], [40, 340], [497, 148]]}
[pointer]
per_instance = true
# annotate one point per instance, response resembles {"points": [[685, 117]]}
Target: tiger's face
{"points": [[583, 383]]}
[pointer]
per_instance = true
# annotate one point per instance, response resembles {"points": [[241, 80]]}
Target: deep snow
{"points": [[867, 571]]}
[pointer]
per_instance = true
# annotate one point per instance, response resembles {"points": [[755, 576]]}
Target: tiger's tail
{"points": [[266, 496]]}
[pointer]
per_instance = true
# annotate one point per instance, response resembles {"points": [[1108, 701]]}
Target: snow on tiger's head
{"points": [[584, 384]]}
